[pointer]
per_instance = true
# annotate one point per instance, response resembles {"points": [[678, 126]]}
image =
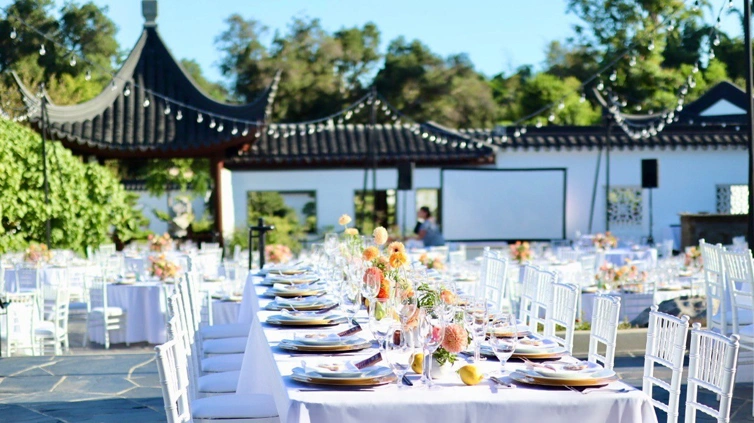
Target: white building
{"points": [[702, 168]]}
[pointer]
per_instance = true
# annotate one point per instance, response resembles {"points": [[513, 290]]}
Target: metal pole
{"points": [[608, 134], [749, 117], [372, 140], [651, 239], [594, 188], [48, 223]]}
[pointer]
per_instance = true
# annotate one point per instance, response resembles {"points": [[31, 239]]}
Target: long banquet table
{"points": [[267, 370]]}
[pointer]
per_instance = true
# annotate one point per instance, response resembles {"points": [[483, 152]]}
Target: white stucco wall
{"points": [[687, 184]]}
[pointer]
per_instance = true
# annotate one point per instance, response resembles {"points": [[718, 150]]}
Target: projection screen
{"points": [[503, 204]]}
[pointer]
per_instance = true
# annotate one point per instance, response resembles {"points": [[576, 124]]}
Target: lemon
{"points": [[417, 363], [470, 374]]}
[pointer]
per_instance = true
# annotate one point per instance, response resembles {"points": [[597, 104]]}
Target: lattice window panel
{"points": [[732, 199], [626, 206]]}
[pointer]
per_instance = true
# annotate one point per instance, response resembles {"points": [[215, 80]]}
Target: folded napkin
{"points": [[284, 287], [318, 337], [298, 301]]}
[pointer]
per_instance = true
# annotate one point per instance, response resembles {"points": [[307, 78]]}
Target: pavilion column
{"points": [[217, 170]]}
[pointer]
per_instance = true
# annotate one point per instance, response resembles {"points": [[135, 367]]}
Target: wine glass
{"points": [[503, 338], [350, 299], [381, 319], [476, 315], [398, 354], [371, 285], [432, 330], [332, 245]]}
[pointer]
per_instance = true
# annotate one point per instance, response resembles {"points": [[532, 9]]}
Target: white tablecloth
{"points": [[631, 305], [618, 256], [266, 370], [52, 276], [144, 303]]}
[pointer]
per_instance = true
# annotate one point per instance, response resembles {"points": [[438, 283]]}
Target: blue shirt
{"points": [[432, 235]]}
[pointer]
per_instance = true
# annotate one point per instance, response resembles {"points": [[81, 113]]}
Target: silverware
{"points": [[612, 390], [406, 381], [501, 383]]}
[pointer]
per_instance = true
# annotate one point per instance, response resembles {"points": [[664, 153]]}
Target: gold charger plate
{"points": [[532, 380], [377, 381], [276, 307], [521, 334], [321, 322], [540, 356], [324, 348], [295, 294]]}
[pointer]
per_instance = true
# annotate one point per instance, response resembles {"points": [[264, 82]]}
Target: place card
{"points": [[350, 331], [369, 361]]}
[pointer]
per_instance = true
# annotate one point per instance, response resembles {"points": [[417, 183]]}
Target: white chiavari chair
{"points": [[568, 254], [101, 316], [106, 249], [666, 346], [604, 330], [536, 298], [719, 317], [22, 316], [28, 278], [561, 314], [210, 347], [495, 280], [235, 408], [53, 331], [712, 366]]}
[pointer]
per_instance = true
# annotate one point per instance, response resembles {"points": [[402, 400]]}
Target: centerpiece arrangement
{"points": [[693, 258], [37, 254], [159, 243], [521, 252], [605, 241], [352, 245], [626, 277], [162, 268], [277, 253], [432, 261]]}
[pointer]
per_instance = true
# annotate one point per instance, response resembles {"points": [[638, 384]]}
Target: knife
{"points": [[407, 381]]}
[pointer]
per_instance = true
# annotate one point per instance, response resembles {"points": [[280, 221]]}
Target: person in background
{"points": [[428, 231]]}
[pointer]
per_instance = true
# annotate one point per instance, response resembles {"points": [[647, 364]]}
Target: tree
{"points": [[87, 203], [212, 89]]}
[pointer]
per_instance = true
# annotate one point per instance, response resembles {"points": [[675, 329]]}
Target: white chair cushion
{"points": [[111, 311], [230, 330], [45, 328], [234, 406], [224, 346], [222, 363], [219, 383]]}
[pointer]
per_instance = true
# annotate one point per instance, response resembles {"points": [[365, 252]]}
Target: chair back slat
{"points": [[173, 382], [495, 279], [604, 330], [561, 314], [718, 297]]}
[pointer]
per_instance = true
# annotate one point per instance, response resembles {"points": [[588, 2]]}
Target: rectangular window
{"points": [[379, 208], [301, 204], [733, 199]]}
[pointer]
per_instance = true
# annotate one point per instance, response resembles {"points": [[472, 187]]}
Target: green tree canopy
{"points": [[87, 203]]}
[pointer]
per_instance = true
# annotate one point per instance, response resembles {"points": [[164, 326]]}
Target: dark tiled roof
{"points": [[118, 125], [290, 145], [579, 137]]}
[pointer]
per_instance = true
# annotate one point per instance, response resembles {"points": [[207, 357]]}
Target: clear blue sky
{"points": [[498, 35]]}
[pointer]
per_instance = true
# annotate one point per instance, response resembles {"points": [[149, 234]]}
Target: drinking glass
{"points": [[476, 315], [432, 330], [350, 299], [332, 245], [398, 354], [371, 285], [381, 319], [503, 337]]}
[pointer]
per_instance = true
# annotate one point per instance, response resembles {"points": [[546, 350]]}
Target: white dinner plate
{"points": [[558, 370]]}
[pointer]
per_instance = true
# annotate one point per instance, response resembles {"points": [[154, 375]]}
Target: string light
{"points": [[245, 131], [212, 123], [42, 50], [651, 46], [167, 109], [127, 91], [73, 60], [220, 127], [13, 34], [582, 99], [145, 103], [178, 115], [613, 76], [632, 61], [88, 76], [716, 41], [234, 131], [199, 118]]}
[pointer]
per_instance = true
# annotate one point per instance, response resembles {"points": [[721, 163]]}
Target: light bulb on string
{"points": [[613, 76], [730, 4], [551, 118], [632, 61], [220, 127], [717, 24], [711, 54], [245, 131], [517, 133], [696, 6], [523, 129], [88, 76], [696, 68], [127, 91], [113, 85], [178, 115], [199, 118], [716, 41], [600, 85], [538, 124], [212, 123], [234, 131], [42, 50], [13, 34], [651, 46], [671, 26], [146, 103], [561, 105], [582, 98], [72, 62], [167, 109], [637, 107]]}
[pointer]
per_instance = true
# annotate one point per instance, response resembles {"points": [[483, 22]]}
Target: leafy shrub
{"points": [[87, 202]]}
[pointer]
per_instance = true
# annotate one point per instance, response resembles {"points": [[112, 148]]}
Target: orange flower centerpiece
{"points": [[432, 262], [277, 253], [693, 258], [626, 277], [163, 268], [159, 243], [521, 251], [37, 254], [351, 245], [605, 241]]}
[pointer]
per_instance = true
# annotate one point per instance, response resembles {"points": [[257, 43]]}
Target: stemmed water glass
{"points": [[398, 353], [503, 338], [350, 299], [371, 284], [381, 319], [432, 329], [476, 317]]}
